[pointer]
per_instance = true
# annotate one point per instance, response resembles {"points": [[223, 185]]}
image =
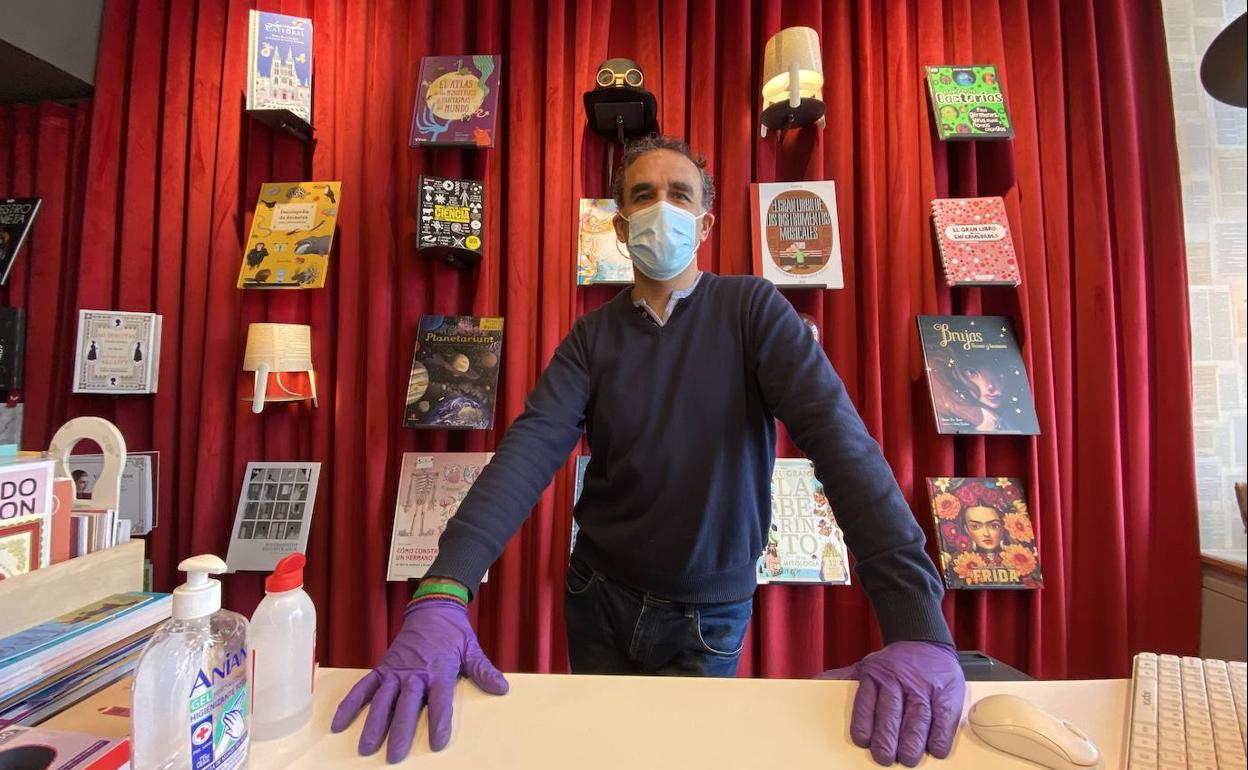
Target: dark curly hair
{"points": [[638, 147]]}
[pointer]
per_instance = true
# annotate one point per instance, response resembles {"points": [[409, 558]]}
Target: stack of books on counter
{"points": [[47, 668]]}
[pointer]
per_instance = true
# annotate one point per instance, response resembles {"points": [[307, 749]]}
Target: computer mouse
{"points": [[1017, 726]]}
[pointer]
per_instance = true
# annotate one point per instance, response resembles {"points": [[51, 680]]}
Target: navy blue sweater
{"points": [[681, 426]]}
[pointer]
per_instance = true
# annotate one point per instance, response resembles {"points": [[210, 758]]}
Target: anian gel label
{"points": [[219, 715]]}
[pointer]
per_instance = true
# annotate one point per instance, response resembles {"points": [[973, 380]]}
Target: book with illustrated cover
{"points": [[36, 747], [292, 232], [454, 372], [431, 487], [274, 514], [118, 352], [12, 416], [973, 236], [797, 240], [279, 63], [16, 217], [976, 375], [967, 102], [26, 506], [451, 219], [137, 503], [456, 101], [985, 533], [582, 463], [600, 257], [12, 347], [804, 542]]}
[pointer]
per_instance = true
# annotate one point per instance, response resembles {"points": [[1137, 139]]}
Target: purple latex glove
{"points": [[910, 697], [435, 645]]}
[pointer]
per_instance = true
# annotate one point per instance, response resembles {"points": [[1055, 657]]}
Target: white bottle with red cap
{"points": [[283, 653]]}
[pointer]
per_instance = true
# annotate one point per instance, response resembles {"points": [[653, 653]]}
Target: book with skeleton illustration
{"points": [[431, 487], [292, 232]]}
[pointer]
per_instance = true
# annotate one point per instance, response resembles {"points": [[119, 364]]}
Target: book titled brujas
{"points": [[967, 102], [279, 66], [976, 375], [454, 372], [985, 533], [456, 102]]}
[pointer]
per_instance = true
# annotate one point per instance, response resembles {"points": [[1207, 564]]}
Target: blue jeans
{"points": [[613, 629]]}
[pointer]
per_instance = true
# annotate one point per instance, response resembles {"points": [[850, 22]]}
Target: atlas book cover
{"points": [[292, 232], [431, 487], [454, 372], [985, 532], [118, 352], [456, 101], [797, 240], [967, 102], [451, 220], [976, 376], [804, 542], [16, 217], [279, 65], [600, 257], [973, 237]]}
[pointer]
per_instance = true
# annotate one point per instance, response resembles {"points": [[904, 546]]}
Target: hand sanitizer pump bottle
{"points": [[190, 692], [283, 649]]}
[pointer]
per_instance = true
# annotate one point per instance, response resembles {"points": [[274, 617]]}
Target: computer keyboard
{"points": [[1187, 713]]}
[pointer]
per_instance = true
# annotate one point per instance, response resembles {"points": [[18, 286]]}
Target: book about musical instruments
{"points": [[804, 542], [454, 378], [274, 514], [456, 101], [118, 352], [797, 240], [431, 487], [292, 232], [985, 533], [973, 236], [279, 63], [976, 376], [967, 102], [16, 217], [600, 257], [451, 220]]}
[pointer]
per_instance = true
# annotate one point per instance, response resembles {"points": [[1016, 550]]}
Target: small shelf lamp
{"points": [[274, 350], [792, 80]]}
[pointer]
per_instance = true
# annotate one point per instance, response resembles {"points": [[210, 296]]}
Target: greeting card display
{"points": [[985, 532]]}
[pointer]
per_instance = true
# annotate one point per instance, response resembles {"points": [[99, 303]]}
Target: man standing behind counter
{"points": [[677, 382]]}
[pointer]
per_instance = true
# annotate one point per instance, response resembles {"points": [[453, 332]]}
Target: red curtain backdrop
{"points": [[149, 193]]}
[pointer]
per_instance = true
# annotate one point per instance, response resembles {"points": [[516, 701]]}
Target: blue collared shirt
{"points": [[641, 304]]}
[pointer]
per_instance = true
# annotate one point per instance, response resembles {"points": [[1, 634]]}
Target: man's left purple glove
{"points": [[910, 697]]}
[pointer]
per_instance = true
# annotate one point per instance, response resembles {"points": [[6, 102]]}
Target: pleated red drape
{"points": [[149, 193]]}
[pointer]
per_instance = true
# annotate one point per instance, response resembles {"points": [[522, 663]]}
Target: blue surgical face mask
{"points": [[662, 239]]}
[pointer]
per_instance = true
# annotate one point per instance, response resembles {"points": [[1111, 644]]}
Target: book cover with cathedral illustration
{"points": [[279, 64], [451, 219], [973, 236], [797, 241], [967, 102], [16, 217], [117, 352], [431, 487], [456, 101], [600, 257], [804, 542], [454, 372], [976, 375], [985, 533], [292, 232]]}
